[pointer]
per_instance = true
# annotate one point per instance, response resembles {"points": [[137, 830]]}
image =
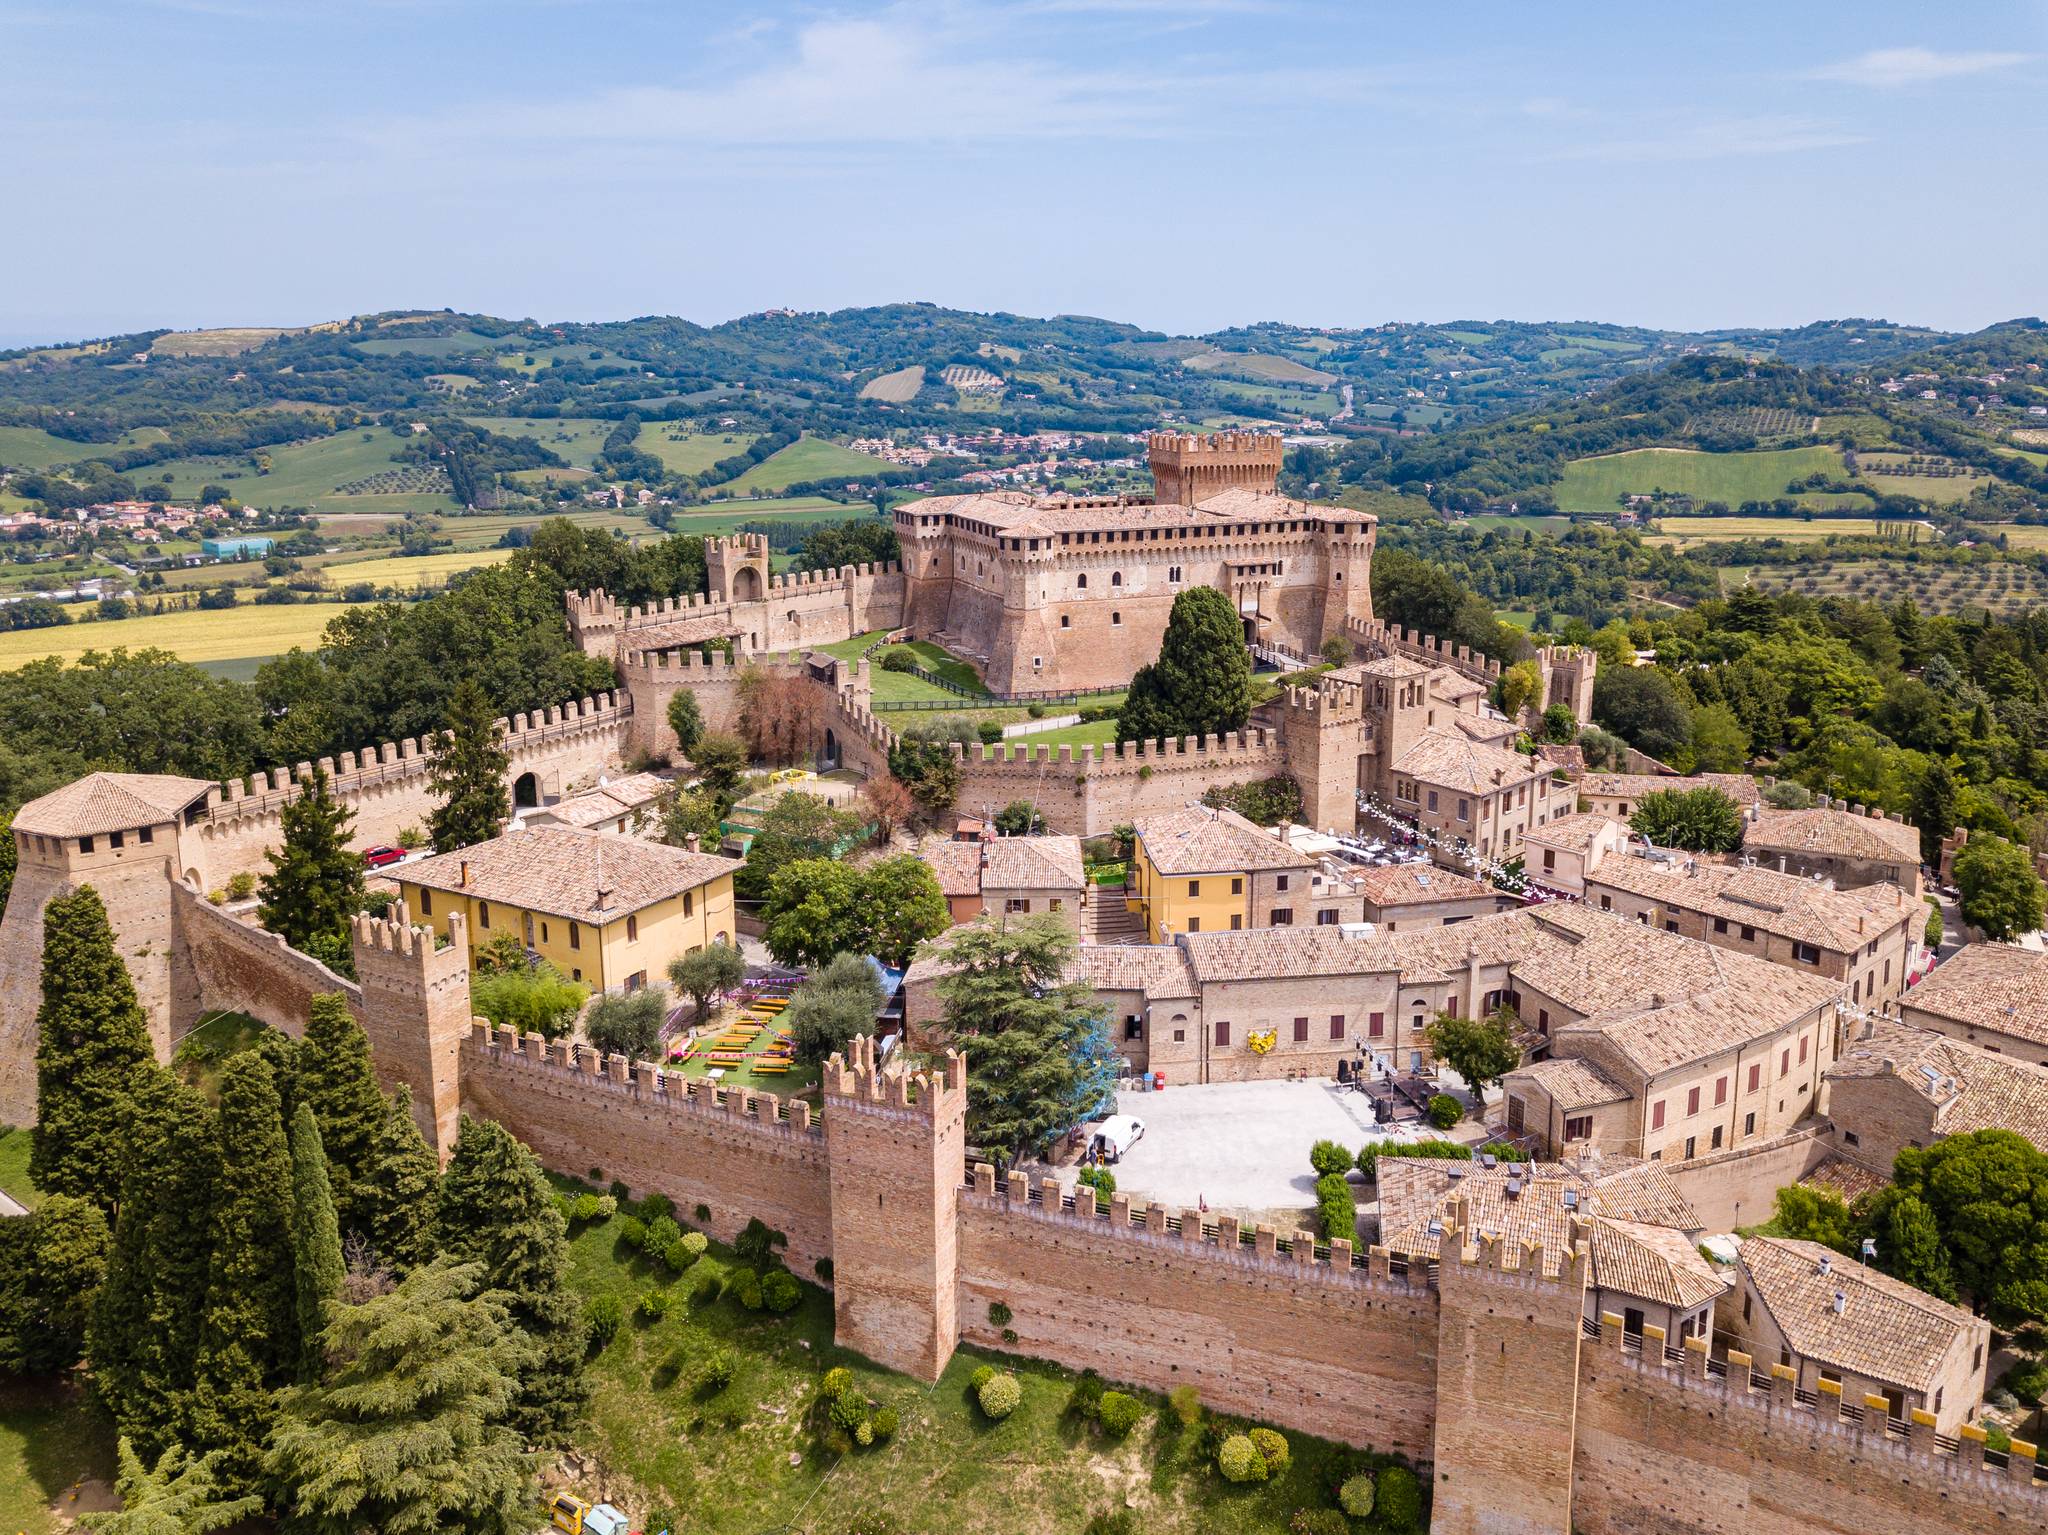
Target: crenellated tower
{"points": [[1187, 468], [896, 1144], [416, 1013]]}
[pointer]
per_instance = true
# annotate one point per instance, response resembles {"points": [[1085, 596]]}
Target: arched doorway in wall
{"points": [[525, 792], [828, 757], [746, 584]]}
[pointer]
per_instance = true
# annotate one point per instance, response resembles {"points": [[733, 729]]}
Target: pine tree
{"points": [[315, 883], [91, 1040], [409, 1435], [1202, 681], [1934, 809], [144, 1336], [316, 1241], [179, 1496], [496, 1208], [248, 1344], [52, 1263], [466, 771], [401, 1190], [336, 1081]]}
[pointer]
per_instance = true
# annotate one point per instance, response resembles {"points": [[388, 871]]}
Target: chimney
{"points": [[465, 874], [692, 842], [1827, 1264], [1841, 1302]]}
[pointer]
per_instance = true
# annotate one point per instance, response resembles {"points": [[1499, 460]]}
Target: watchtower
{"points": [[737, 566], [896, 1145], [416, 1013], [1187, 469], [1568, 672]]}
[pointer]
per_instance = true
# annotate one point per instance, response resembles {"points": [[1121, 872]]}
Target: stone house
{"points": [[1403, 896], [1008, 876], [1993, 995], [1896, 1086], [1846, 844], [1558, 856], [1474, 791], [1849, 1331], [1204, 870], [628, 805]]}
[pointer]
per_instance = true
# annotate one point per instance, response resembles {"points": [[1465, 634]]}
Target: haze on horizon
{"points": [[1179, 164]]}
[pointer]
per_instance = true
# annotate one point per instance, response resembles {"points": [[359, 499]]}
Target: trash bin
{"points": [[1158, 1081]]}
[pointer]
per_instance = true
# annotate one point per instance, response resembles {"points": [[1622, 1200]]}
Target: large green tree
{"points": [[249, 1337], [817, 908], [144, 1335], [1642, 706], [1934, 809], [1702, 820], [686, 719], [466, 768], [905, 907], [315, 883], [715, 968], [411, 1434], [1025, 1027], [338, 1083], [797, 826], [495, 1208], [2001, 894], [52, 1264], [1481, 1050], [179, 1495], [831, 1007], [1202, 681], [400, 1191], [90, 1041], [1987, 1193], [316, 1241]]}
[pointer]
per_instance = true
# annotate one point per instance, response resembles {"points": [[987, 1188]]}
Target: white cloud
{"points": [[1725, 139], [1887, 67]]}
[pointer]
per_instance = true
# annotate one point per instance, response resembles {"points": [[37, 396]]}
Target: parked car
{"points": [[382, 857], [1116, 1135]]}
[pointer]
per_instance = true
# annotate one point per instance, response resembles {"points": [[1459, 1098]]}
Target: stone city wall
{"points": [[742, 1154], [1321, 1346], [1670, 1449], [1736, 1187], [225, 965], [776, 613], [1086, 790], [1375, 637]]}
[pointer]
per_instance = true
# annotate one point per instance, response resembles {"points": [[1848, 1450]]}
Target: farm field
{"points": [[462, 341], [690, 453], [2003, 588], [2021, 535], [575, 438], [896, 388], [413, 569], [309, 473], [810, 458], [1597, 484], [1940, 488], [1685, 531], [1259, 365], [225, 342], [225, 634]]}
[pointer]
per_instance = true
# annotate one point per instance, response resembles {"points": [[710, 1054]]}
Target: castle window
{"points": [[543, 932], [1336, 1025], [1172, 574], [426, 902], [145, 834], [1376, 1025], [1194, 887], [113, 839], [85, 844], [1116, 620], [1116, 578], [1081, 581], [1579, 1128], [1066, 622]]}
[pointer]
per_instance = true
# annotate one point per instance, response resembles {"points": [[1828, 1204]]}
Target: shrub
{"points": [[1444, 1110], [847, 1410], [999, 1395], [1119, 1413], [705, 1288], [217, 897], [702, 1212], [864, 1433], [1452, 1151], [1086, 1397], [998, 1314], [603, 1316], [834, 1381], [684, 1251], [983, 1374], [241, 886], [1506, 1151], [989, 731], [899, 658], [1324, 1521], [780, 1292], [654, 1305], [884, 1422], [655, 1206], [1100, 1179], [661, 1231], [1355, 1496], [1328, 1157], [620, 1193], [1335, 1211], [633, 1232], [1240, 1461], [823, 1269], [584, 1208], [717, 1371], [744, 1286], [1930, 936], [1185, 1402], [1399, 1496], [1272, 1447]]}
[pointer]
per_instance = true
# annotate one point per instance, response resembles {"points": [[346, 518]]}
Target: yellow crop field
{"points": [[1711, 530], [414, 569], [225, 634], [897, 388]]}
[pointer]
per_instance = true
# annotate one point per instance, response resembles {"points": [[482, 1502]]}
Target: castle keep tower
{"points": [[1187, 469], [737, 566], [416, 1013], [897, 1148]]}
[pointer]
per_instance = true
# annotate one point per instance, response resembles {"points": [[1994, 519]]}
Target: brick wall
{"points": [[226, 965]]}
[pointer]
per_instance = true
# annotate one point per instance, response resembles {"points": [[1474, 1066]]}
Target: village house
{"points": [[1844, 844], [1204, 870], [1896, 1086], [1008, 876], [1476, 792], [1558, 856], [1846, 1330], [1992, 995], [609, 911], [1620, 794], [1403, 896], [628, 805]]}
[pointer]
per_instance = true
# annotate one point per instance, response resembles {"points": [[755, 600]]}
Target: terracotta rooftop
{"points": [[1789, 905], [585, 875], [966, 868], [1834, 832], [619, 797], [101, 802], [1886, 1331], [1155, 969], [1573, 833], [1997, 987], [1573, 1083], [1017, 513], [1416, 884], [1971, 1089], [1198, 840], [1739, 787], [1451, 760]]}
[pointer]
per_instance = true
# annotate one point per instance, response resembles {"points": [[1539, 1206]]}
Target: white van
{"points": [[1116, 1135]]}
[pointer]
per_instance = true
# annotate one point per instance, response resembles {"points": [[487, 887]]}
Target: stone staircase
{"points": [[1104, 919]]}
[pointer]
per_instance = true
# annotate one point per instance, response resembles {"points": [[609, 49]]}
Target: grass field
{"points": [[226, 342], [307, 474], [575, 438], [413, 569], [437, 346], [1685, 531], [50, 1443], [1260, 365], [748, 1458], [1597, 484], [810, 458], [227, 634], [2022, 535], [688, 453], [14, 1178], [896, 388]]}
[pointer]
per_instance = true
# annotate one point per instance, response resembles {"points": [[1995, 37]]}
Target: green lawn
{"points": [[747, 1459], [687, 453], [50, 1442], [14, 1148], [202, 1053], [309, 474], [810, 458], [574, 438], [905, 687], [1093, 733], [1597, 484]]}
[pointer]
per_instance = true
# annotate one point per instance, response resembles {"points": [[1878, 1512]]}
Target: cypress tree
{"points": [[316, 1241], [144, 1337], [91, 1038], [466, 771], [52, 1263], [337, 1083], [496, 1209], [285, 1056], [248, 1342], [315, 883], [399, 1195], [1202, 681]]}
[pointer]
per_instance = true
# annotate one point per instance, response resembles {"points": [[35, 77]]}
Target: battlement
{"points": [[1489, 1256], [1376, 637], [1326, 701], [1224, 1240], [1190, 445], [856, 1078], [1188, 468], [396, 935], [1132, 756], [643, 1081]]}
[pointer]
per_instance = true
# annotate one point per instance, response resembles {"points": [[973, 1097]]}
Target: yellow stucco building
{"points": [[611, 912], [1200, 870]]}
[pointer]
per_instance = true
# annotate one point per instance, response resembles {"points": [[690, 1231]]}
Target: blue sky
{"points": [[1183, 165]]}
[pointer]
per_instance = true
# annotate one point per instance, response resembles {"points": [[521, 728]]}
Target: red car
{"points": [[382, 857]]}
